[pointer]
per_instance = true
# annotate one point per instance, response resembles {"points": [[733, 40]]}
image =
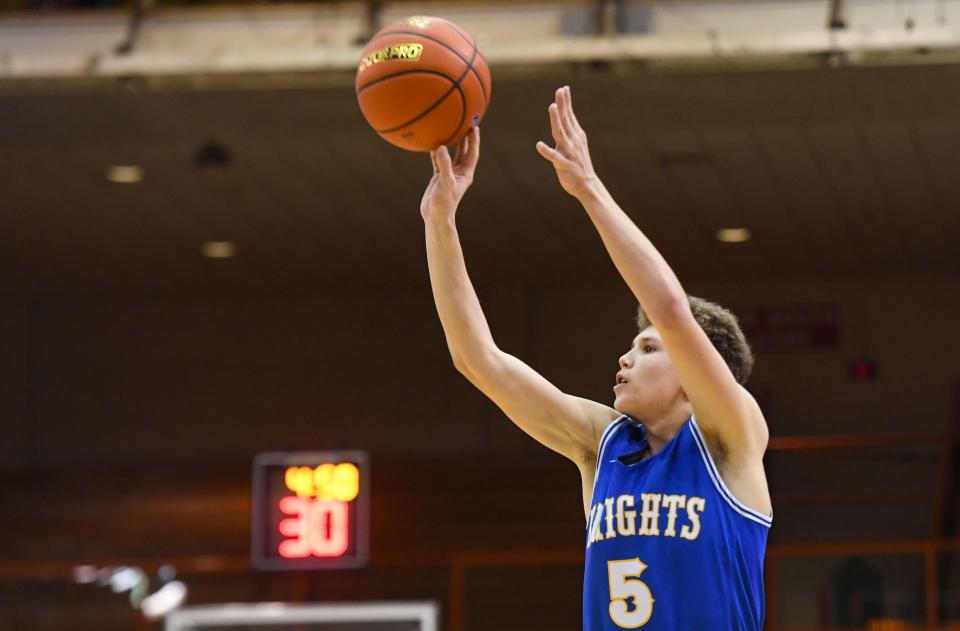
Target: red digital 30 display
{"points": [[310, 510]]}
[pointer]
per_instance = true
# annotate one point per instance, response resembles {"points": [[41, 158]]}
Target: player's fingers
{"points": [[445, 164], [473, 154], [563, 105], [573, 127], [556, 127], [574, 123], [462, 150], [549, 153], [433, 161]]}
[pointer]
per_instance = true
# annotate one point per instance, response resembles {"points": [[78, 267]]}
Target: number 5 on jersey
{"points": [[625, 583]]}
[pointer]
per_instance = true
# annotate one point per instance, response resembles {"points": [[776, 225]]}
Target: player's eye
{"points": [[648, 349]]}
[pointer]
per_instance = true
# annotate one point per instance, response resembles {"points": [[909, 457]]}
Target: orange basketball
{"points": [[422, 83]]}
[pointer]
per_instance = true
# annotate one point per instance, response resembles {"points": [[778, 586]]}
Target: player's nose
{"points": [[624, 361]]}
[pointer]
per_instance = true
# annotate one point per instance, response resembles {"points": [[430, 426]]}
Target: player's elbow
{"points": [[474, 364], [462, 366]]}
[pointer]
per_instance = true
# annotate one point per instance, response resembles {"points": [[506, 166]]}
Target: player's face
{"points": [[647, 384]]}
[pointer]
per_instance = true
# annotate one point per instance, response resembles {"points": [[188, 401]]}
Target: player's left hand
{"points": [[571, 156]]}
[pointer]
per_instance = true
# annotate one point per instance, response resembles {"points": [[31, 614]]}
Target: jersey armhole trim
{"points": [[714, 473], [604, 440]]}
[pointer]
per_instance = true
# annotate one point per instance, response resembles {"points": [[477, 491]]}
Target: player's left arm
{"points": [[726, 412]]}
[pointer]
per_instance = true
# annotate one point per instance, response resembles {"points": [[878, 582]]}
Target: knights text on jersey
{"points": [[668, 546]]}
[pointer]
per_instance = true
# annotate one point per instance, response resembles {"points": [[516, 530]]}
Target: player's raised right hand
{"points": [[451, 178]]}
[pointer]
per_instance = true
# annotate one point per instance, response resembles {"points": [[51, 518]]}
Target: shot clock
{"points": [[310, 510]]}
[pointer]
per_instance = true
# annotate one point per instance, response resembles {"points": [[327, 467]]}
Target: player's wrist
{"points": [[590, 191], [446, 220]]}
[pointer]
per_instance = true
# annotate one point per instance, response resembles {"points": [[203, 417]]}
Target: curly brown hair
{"points": [[722, 329]]}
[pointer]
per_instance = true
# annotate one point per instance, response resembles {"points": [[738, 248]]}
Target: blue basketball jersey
{"points": [[668, 546]]}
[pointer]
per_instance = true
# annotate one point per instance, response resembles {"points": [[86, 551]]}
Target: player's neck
{"points": [[661, 430]]}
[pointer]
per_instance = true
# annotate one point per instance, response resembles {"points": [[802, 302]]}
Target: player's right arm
{"points": [[566, 424]]}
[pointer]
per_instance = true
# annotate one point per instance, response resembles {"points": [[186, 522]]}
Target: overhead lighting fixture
{"points": [[219, 249], [733, 235], [125, 174]]}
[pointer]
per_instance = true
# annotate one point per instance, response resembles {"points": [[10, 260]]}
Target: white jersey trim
{"points": [[604, 439], [714, 473]]}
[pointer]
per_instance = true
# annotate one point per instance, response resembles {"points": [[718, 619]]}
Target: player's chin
{"points": [[619, 400], [623, 403]]}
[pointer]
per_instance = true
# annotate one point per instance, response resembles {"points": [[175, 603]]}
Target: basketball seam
{"points": [[463, 114], [463, 98], [455, 86], [403, 72], [435, 104], [466, 38], [448, 47]]}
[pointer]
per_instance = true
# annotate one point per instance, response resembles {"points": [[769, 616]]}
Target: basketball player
{"points": [[674, 490]]}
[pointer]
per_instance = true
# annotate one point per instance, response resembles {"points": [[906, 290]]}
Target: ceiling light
{"points": [[219, 249], [125, 174], [733, 235]]}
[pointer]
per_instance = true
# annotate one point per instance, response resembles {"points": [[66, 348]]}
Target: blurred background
{"points": [[206, 254]]}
